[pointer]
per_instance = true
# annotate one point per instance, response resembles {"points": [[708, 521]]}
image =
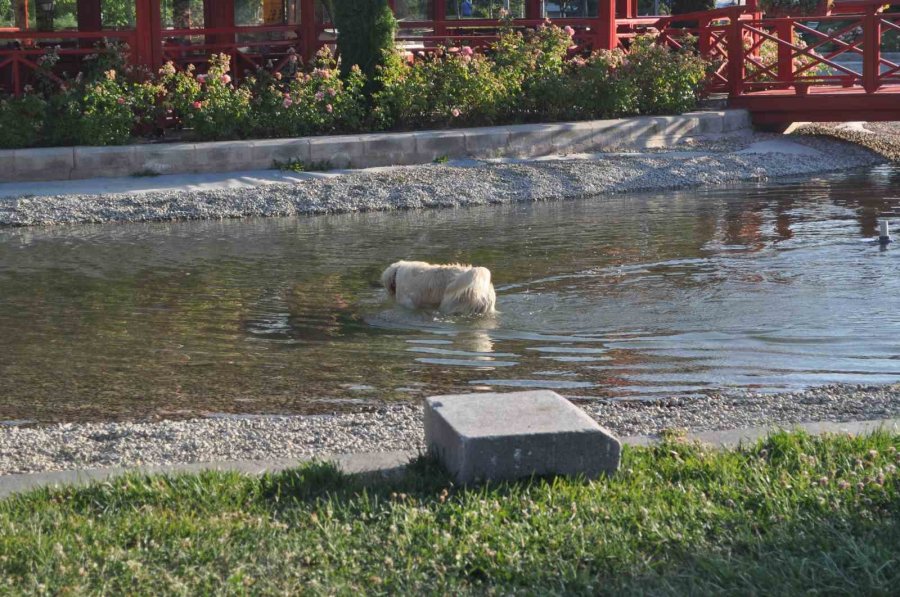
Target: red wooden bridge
{"points": [[843, 65]]}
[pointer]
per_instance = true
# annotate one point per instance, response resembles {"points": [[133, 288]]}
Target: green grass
{"points": [[792, 515]]}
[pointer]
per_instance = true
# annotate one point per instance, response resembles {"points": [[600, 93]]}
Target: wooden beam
{"points": [[606, 38], [89, 15]]}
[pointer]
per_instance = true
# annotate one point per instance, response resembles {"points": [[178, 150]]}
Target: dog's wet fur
{"points": [[453, 289]]}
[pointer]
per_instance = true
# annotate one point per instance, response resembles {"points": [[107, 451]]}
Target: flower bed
{"points": [[523, 77]]}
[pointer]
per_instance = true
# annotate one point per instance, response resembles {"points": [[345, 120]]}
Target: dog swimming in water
{"points": [[453, 289]]}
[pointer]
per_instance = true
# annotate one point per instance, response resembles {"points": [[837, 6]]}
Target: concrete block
{"points": [[44, 163], [487, 142], [340, 151], [489, 436], [573, 137], [105, 161], [389, 149], [223, 156], [531, 140], [166, 158], [266, 152], [431, 145], [674, 126], [7, 165], [710, 122], [736, 120]]}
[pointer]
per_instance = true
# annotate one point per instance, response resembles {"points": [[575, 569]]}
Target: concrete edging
{"points": [[381, 465], [369, 150]]}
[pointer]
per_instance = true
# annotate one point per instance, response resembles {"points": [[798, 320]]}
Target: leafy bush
{"points": [[365, 32], [21, 121], [220, 110], [665, 81], [680, 7], [91, 113]]}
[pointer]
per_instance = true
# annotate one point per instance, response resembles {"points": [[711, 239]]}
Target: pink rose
{"points": [[201, 79], [466, 51], [198, 105], [226, 79], [332, 92], [329, 108], [455, 112], [319, 96], [569, 31], [277, 76], [287, 102], [121, 100]]}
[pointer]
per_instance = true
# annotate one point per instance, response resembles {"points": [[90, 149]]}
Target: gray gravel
{"points": [[475, 183], [399, 427]]}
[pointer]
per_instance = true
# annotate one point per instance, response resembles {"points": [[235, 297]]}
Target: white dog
{"points": [[453, 289]]}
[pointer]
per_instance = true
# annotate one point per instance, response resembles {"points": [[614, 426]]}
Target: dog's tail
{"points": [[470, 293]]}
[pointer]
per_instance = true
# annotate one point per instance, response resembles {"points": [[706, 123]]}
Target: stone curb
{"points": [[380, 465], [370, 150]]}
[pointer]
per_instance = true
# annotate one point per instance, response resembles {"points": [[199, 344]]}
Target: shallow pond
{"points": [[760, 286]]}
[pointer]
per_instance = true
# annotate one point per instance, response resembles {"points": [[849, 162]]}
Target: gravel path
{"points": [[453, 185], [399, 427]]}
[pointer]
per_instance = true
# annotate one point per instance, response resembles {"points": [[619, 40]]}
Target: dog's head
{"points": [[389, 278]]}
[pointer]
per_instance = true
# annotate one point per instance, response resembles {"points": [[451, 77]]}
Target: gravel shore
{"points": [[399, 427], [471, 183]]}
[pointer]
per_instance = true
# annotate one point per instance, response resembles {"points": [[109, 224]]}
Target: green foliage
{"points": [[680, 7], [790, 515], [365, 32], [666, 81], [790, 7], [21, 121], [90, 113], [220, 110]]}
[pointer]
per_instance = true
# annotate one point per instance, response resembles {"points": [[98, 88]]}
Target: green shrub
{"points": [[665, 81], [220, 110], [21, 121], [365, 32], [680, 7], [93, 113]]}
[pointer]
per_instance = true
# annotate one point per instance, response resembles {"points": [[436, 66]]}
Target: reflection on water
{"points": [[629, 297]]}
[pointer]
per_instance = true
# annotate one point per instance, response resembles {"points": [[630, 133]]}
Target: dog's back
{"points": [[453, 288]]}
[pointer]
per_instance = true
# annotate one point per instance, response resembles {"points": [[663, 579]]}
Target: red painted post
{"points": [[534, 9], [155, 54], [309, 39], [440, 17], [704, 38], [22, 15], [624, 9], [871, 49], [89, 19], [606, 26], [147, 43], [784, 31], [735, 57]]}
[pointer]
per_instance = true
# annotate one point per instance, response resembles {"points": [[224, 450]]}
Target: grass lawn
{"points": [[792, 514]]}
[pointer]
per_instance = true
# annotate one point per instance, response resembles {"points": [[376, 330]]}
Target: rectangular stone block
{"points": [[340, 151], [104, 161], [389, 149], [678, 126], [44, 163], [531, 140], [166, 158], [487, 142], [431, 145], [573, 137], [736, 120], [266, 152], [7, 165], [222, 156], [710, 122], [493, 437]]}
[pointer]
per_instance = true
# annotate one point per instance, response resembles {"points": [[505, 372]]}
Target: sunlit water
{"points": [[766, 287]]}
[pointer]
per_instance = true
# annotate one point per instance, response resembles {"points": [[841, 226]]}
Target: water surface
{"points": [[631, 297]]}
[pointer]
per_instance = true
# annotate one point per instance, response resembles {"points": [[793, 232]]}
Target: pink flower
{"points": [[569, 31], [121, 100], [277, 76], [319, 96], [329, 108], [466, 51], [226, 79], [198, 105], [331, 91], [287, 101], [201, 79], [455, 112]]}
